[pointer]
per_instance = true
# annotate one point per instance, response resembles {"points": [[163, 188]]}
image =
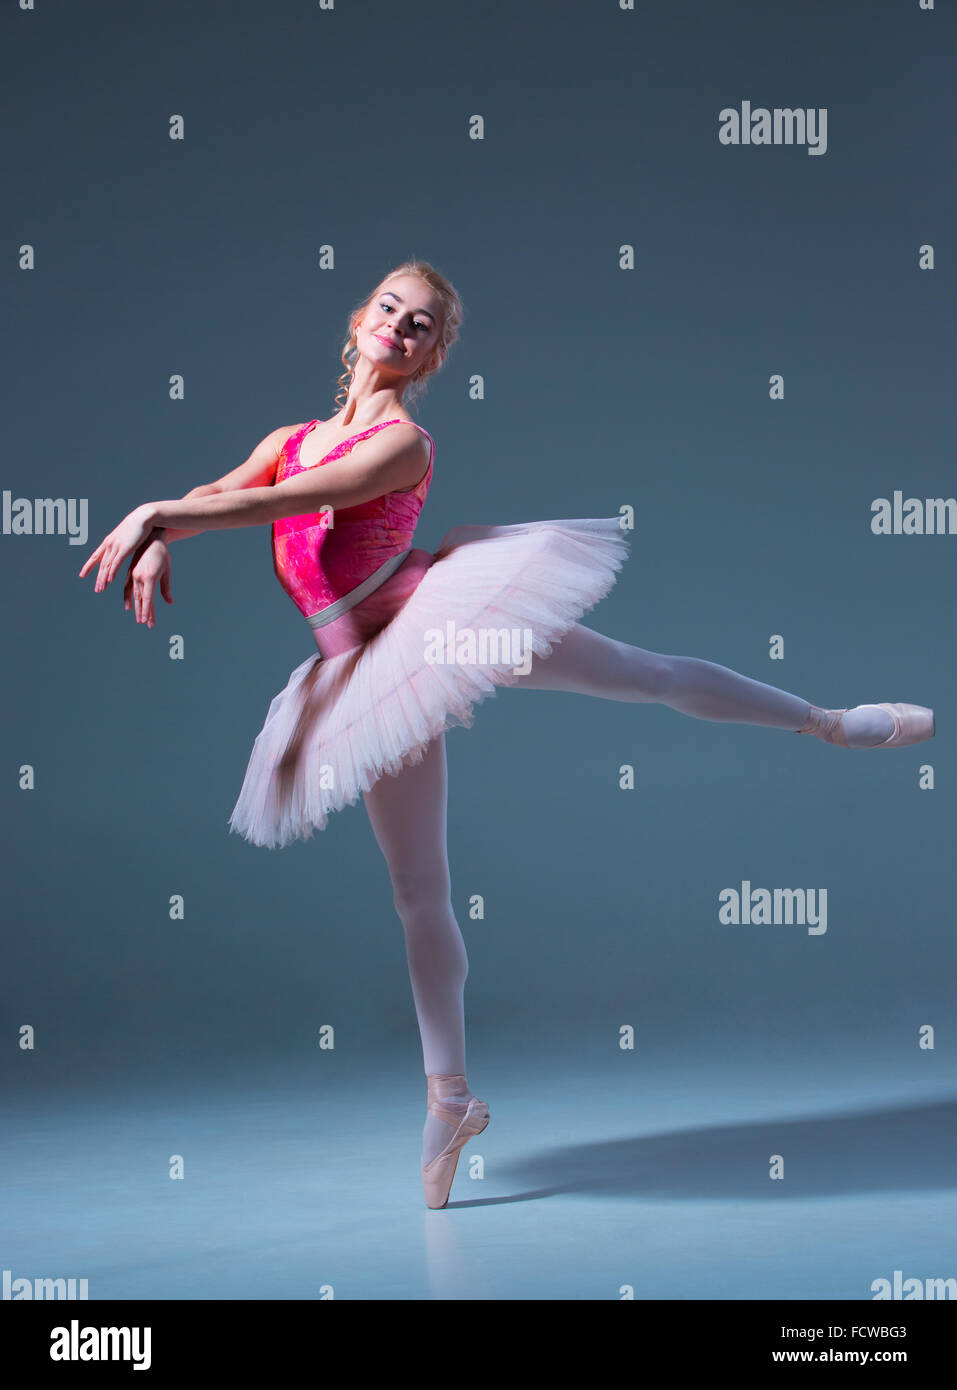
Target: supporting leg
{"points": [[408, 816]]}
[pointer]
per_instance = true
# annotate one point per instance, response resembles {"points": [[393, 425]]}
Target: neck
{"points": [[372, 397]]}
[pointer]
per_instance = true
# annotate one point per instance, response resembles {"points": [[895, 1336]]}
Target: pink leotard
{"points": [[318, 564]]}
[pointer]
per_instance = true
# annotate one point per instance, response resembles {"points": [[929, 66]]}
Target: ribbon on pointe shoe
{"points": [[826, 725]]}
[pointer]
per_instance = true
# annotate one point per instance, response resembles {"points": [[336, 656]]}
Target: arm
{"points": [[259, 470], [150, 564], [377, 466], [166, 534]]}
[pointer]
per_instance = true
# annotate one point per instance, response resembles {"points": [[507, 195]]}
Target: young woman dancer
{"points": [[368, 713]]}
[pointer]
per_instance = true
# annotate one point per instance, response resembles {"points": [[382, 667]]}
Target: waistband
{"points": [[361, 591]]}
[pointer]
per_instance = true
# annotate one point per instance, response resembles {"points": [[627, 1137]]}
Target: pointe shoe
{"points": [[912, 724], [466, 1122]]}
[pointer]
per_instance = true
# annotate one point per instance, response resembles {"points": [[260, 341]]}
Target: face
{"points": [[400, 325]]}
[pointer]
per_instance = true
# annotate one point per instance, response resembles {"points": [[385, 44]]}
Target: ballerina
{"points": [[409, 641]]}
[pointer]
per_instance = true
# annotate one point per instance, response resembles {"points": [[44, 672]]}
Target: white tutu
{"points": [[492, 596]]}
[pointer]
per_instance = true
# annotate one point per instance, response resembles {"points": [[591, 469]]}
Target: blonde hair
{"points": [[452, 315]]}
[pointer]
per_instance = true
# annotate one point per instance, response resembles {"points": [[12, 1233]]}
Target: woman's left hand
{"points": [[114, 548]]}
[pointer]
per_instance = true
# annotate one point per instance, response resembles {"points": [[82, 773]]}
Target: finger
{"points": [[103, 577], [91, 561], [146, 606], [117, 559], [165, 587]]}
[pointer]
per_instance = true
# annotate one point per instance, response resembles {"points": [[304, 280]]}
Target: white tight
{"points": [[408, 815], [589, 663], [408, 812]]}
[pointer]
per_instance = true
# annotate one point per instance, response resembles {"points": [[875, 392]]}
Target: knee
{"points": [[421, 892], [660, 675], [648, 675]]}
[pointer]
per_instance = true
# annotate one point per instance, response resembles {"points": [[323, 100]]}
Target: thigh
{"points": [[409, 814], [589, 663]]}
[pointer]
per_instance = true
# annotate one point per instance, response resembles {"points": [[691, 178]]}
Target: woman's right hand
{"points": [[150, 564]]}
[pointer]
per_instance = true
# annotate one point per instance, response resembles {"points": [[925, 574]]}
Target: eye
{"points": [[417, 323]]}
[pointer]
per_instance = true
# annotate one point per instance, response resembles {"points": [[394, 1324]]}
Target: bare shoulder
{"points": [[415, 449], [397, 459], [284, 433], [259, 469], [416, 440], [269, 448]]}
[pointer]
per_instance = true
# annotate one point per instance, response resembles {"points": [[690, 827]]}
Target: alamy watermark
{"points": [[43, 1288], [76, 1343], [781, 125], [483, 646], [46, 516], [918, 516], [774, 907], [903, 1288]]}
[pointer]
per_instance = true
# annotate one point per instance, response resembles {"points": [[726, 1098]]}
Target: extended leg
{"points": [[589, 663], [408, 817]]}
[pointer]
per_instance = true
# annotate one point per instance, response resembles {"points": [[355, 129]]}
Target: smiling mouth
{"points": [[394, 346]]}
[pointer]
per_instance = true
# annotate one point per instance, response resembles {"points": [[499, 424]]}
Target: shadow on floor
{"points": [[896, 1149]]}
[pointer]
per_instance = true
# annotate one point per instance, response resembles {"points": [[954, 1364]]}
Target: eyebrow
{"points": [[402, 301]]}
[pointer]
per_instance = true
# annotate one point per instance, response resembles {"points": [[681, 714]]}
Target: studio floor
{"points": [[302, 1186]]}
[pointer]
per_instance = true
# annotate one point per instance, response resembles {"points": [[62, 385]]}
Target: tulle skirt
{"points": [[489, 599]]}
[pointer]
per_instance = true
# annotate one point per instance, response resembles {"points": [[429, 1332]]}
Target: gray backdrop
{"points": [[603, 387]]}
